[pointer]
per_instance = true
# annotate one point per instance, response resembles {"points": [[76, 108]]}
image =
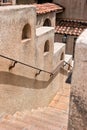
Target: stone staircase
{"points": [[53, 117], [41, 119]]}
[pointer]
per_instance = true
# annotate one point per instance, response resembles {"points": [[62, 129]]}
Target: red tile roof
{"points": [[70, 27], [47, 7]]}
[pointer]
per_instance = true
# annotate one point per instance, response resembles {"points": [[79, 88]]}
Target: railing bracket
{"points": [[38, 73], [12, 65]]}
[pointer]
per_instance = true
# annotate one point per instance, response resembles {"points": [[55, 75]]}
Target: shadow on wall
{"points": [[21, 81], [25, 1]]}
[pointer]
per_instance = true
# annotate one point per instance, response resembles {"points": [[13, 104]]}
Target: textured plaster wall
{"points": [[13, 20], [41, 19], [78, 101], [20, 89]]}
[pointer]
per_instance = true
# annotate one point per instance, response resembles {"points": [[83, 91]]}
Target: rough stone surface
{"points": [[78, 104]]}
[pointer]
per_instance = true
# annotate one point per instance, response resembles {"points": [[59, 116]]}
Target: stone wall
{"points": [[78, 101]]}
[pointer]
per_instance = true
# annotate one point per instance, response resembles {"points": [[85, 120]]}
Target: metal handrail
{"points": [[16, 61], [67, 64]]}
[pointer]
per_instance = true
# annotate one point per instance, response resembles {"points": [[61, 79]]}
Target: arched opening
{"points": [[62, 56], [46, 46], [47, 22], [26, 32]]}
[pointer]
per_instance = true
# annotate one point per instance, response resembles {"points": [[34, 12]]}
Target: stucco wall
{"points": [[18, 92], [78, 102], [41, 19], [13, 20], [74, 9], [45, 59], [20, 88]]}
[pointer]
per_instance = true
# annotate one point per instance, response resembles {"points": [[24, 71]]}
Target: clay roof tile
{"points": [[70, 27], [47, 7]]}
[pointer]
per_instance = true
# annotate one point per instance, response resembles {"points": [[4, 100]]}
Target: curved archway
{"points": [[26, 32], [46, 46], [62, 56], [47, 22]]}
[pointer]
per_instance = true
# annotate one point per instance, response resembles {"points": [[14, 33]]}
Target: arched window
{"points": [[46, 46], [47, 22], [26, 32], [62, 56]]}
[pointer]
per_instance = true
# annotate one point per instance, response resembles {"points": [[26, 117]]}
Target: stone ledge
{"points": [[42, 30]]}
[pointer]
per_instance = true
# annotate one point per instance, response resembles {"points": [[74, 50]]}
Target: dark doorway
{"points": [[44, 1], [47, 22]]}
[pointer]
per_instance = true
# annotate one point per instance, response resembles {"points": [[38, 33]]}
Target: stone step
{"points": [[16, 122], [56, 120], [52, 113], [41, 119], [20, 125], [6, 126], [53, 110], [39, 122], [48, 113]]}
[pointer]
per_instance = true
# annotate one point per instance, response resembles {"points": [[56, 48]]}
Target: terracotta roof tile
{"points": [[47, 7], [70, 27]]}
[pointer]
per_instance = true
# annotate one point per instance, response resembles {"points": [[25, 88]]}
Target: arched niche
{"points": [[47, 22], [46, 47], [26, 32]]}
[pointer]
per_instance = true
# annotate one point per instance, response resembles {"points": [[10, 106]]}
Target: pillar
{"points": [[78, 97]]}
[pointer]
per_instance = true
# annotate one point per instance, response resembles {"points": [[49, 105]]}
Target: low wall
{"points": [[78, 101], [20, 88], [18, 92]]}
